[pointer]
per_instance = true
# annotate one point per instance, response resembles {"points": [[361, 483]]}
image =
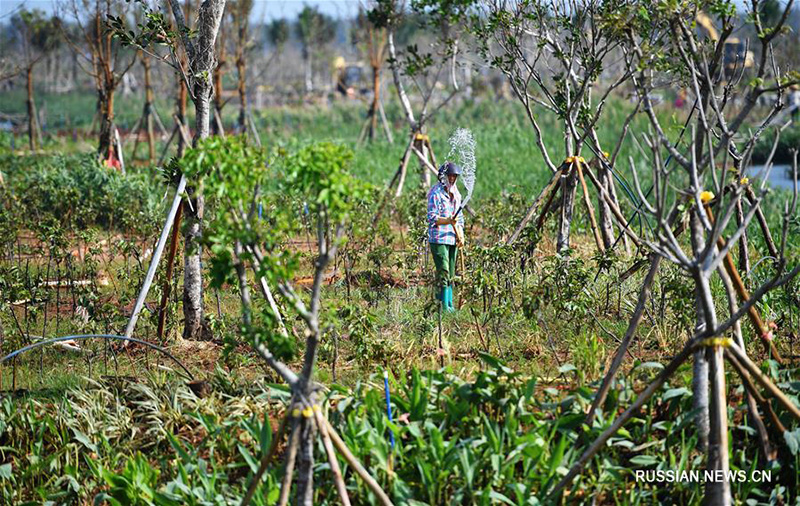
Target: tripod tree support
{"points": [[166, 288], [151, 271], [758, 324], [549, 187]]}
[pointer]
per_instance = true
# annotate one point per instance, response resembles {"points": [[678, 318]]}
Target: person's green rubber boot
{"points": [[448, 299]]}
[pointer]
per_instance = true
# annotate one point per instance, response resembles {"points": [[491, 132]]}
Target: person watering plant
{"points": [[445, 230]]}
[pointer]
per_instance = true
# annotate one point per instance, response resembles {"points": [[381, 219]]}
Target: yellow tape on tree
{"points": [[713, 342]]}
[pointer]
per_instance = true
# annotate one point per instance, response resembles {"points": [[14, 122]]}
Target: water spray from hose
{"points": [[462, 152]]}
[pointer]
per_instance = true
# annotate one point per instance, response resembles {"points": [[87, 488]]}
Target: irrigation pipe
{"points": [[666, 164], [99, 336], [151, 271], [388, 404]]}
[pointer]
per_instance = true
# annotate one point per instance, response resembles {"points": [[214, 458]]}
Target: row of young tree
{"points": [[81, 43]]}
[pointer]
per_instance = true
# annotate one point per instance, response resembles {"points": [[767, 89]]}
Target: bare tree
{"points": [[553, 56], [425, 69], [37, 35], [371, 35], [704, 192], [108, 61]]}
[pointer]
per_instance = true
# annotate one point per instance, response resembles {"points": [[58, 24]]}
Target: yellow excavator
{"points": [[736, 54]]}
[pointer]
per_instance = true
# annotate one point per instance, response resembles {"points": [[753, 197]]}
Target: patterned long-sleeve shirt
{"points": [[441, 204]]}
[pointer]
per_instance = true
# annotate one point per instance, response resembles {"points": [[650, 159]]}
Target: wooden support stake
{"points": [[357, 467], [590, 209], [341, 488], [614, 209], [151, 271], [601, 440], [762, 222], [291, 457], [386, 129], [633, 324], [612, 187], [400, 176], [765, 382], [166, 146], [532, 209], [758, 324], [747, 381], [718, 492], [430, 150], [167, 286]]}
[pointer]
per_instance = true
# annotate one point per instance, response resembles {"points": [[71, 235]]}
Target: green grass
{"points": [[507, 155]]}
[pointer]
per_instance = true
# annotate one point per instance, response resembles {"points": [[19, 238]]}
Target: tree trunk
{"points": [[569, 185], [31, 111], [216, 126], [74, 69], [241, 69], [700, 367], [194, 319], [606, 223], [305, 465], [242, 88], [376, 96], [202, 64], [183, 93], [718, 492], [56, 73], [148, 109], [106, 121], [308, 70]]}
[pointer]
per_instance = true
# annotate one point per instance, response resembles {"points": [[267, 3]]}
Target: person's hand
{"points": [[447, 221], [459, 237]]}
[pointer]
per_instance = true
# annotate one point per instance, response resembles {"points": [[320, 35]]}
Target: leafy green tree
{"points": [[236, 177], [278, 31]]}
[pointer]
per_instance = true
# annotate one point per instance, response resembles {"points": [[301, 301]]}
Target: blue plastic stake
{"points": [[388, 405], [260, 210]]}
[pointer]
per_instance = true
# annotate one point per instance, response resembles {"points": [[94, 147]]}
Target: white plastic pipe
{"points": [[151, 272]]}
